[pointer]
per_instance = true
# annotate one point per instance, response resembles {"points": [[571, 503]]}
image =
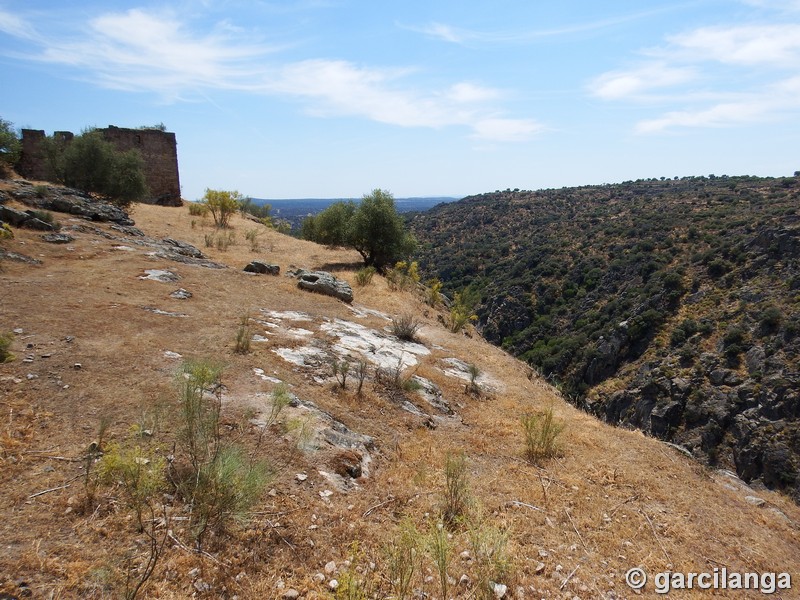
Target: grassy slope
{"points": [[615, 499]]}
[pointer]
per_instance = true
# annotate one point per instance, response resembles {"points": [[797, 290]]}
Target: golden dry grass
{"points": [[613, 500]]}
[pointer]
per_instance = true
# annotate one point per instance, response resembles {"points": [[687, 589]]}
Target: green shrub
{"points": [[244, 335], [460, 314], [140, 474], [440, 550], [198, 209], [222, 205], [433, 293], [141, 477], [771, 318], [6, 233], [404, 276], [403, 560], [541, 435], [221, 484], [340, 372], [457, 498], [364, 276], [372, 227], [5, 344], [225, 490], [10, 146]]}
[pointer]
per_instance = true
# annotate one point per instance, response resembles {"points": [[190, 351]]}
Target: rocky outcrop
{"points": [[263, 268], [324, 283], [747, 421], [26, 219], [69, 201]]}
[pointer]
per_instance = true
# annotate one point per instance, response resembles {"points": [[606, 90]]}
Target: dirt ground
{"points": [[95, 356]]}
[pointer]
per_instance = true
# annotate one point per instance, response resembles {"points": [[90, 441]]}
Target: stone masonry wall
{"points": [[158, 149]]}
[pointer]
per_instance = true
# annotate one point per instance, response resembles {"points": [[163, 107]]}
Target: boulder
{"points": [[259, 266], [182, 248], [58, 238], [323, 282]]}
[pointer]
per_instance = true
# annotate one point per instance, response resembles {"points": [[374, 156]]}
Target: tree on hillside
{"points": [[373, 228], [330, 227], [222, 205], [92, 164], [9, 146]]}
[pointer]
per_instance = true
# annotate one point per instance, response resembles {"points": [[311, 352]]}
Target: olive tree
{"points": [[92, 164], [372, 227]]}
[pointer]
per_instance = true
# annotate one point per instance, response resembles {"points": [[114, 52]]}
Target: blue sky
{"points": [[333, 98]]}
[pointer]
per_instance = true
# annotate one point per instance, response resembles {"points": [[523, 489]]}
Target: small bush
{"points": [[472, 386], [440, 550], [224, 241], [404, 276], [244, 334], [403, 560], [340, 371], [251, 235], [771, 318], [5, 344], [394, 379], [364, 276], [489, 546], [541, 435], [460, 314], [221, 484], [457, 498], [139, 473], [405, 327], [433, 293], [362, 370], [197, 209], [6, 233]]}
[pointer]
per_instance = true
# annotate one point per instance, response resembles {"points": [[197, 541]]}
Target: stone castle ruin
{"points": [[158, 148]]}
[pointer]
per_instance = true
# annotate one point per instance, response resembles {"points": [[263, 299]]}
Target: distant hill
{"points": [[294, 210], [668, 305]]}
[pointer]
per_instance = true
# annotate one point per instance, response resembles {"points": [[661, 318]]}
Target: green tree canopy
{"points": [[9, 145], [92, 164], [372, 227]]}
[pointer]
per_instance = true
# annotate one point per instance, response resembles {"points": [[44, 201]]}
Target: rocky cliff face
{"points": [[670, 306]]}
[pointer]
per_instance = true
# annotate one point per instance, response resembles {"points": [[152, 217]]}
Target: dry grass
{"points": [[611, 500]]}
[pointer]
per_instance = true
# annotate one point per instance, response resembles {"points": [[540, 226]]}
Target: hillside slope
{"points": [[99, 342], [671, 305]]}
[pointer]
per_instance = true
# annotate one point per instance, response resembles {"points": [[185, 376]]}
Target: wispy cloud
{"points": [[458, 35], [341, 88], [16, 26], [636, 82], [768, 45], [715, 76], [147, 51]]}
